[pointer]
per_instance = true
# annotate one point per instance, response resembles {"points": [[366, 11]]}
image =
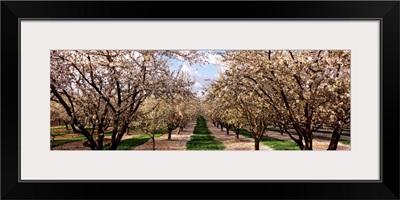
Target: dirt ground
{"points": [[230, 142], [177, 142], [318, 144], [78, 145]]}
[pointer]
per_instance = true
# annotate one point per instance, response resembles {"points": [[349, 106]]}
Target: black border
{"points": [[386, 11]]}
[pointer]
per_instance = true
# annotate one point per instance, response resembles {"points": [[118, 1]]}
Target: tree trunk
{"points": [[117, 137], [256, 144], [301, 132], [308, 141], [100, 137], [100, 140], [227, 130], [114, 144], [90, 141], [66, 126], [281, 129], [180, 129], [169, 133], [52, 142], [222, 127], [334, 139], [217, 125], [154, 143], [114, 133], [237, 133]]}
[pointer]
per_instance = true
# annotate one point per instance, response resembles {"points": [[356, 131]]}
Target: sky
{"points": [[202, 75]]}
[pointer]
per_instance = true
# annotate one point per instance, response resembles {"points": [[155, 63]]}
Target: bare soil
{"points": [[230, 142], [78, 145], [177, 142], [318, 144]]}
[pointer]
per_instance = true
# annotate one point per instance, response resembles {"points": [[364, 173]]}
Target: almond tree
{"points": [[150, 117], [247, 109], [121, 79], [304, 89], [175, 96], [188, 110], [58, 114]]}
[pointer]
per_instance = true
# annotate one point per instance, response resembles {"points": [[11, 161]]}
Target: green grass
{"points": [[134, 128], [67, 140], [55, 133], [58, 142], [135, 141], [57, 127], [318, 131], [202, 138], [345, 142], [277, 144], [273, 143]]}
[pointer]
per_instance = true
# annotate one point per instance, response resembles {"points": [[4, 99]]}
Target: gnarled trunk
{"points": [[52, 141], [308, 137], [90, 141], [154, 142], [116, 137], [179, 130], [335, 139], [100, 140], [256, 144], [100, 137], [237, 133], [169, 133], [227, 129]]}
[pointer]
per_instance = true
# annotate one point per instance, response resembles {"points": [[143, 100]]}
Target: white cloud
{"points": [[223, 68], [198, 85], [217, 61], [214, 59], [199, 94], [185, 68]]}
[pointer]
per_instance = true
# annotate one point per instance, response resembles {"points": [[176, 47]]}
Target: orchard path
{"points": [[230, 142], [318, 144], [79, 144], [177, 142]]}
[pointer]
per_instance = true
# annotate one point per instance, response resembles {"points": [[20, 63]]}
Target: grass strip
{"points": [[134, 141], [202, 139], [345, 142], [273, 143], [318, 131], [58, 142]]}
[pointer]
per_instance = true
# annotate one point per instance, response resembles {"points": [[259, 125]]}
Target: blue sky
{"points": [[200, 74]]}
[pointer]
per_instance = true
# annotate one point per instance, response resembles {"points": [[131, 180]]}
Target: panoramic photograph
{"points": [[229, 100]]}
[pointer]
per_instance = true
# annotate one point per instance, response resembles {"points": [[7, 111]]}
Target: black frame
{"points": [[386, 11]]}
